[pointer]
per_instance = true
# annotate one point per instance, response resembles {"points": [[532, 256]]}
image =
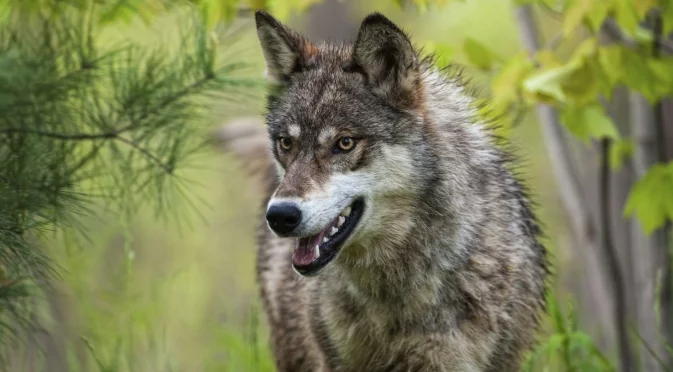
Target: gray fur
{"points": [[446, 272]]}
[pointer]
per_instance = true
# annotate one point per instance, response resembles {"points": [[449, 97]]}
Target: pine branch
{"points": [[168, 169], [120, 120], [69, 137]]}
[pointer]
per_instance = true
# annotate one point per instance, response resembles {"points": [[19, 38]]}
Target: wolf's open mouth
{"points": [[312, 253]]}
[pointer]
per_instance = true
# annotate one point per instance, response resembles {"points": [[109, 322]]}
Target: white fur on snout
{"points": [[389, 176]]}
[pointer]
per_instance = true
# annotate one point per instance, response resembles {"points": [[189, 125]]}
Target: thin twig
{"points": [[145, 152], [611, 255], [69, 137], [612, 28], [666, 299], [651, 351]]}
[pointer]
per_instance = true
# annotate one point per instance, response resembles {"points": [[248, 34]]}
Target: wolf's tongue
{"points": [[305, 252]]}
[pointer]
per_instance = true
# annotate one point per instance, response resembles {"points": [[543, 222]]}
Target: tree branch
{"points": [[69, 137], [614, 31], [621, 306], [145, 152], [666, 296]]}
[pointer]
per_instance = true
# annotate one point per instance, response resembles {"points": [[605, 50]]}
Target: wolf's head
{"points": [[348, 136]]}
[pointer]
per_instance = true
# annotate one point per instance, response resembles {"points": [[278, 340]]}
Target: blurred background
{"points": [[159, 276]]}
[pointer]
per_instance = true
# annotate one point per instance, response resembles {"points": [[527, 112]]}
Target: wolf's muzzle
{"points": [[283, 218]]}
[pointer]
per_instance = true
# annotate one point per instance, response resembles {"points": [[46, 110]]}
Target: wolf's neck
{"points": [[444, 219], [414, 272]]}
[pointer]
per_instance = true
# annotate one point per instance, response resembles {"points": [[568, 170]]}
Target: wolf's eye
{"points": [[285, 143], [345, 144]]}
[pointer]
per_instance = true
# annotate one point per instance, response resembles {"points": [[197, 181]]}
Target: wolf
{"points": [[395, 234]]}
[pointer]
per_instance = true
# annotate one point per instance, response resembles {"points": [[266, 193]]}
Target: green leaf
{"points": [[610, 59], [620, 150], [643, 36], [578, 81], [661, 69], [643, 6], [653, 79], [574, 14], [583, 85], [627, 15], [549, 82], [547, 59], [585, 50], [506, 85], [667, 17], [478, 54], [597, 14], [650, 198], [588, 122]]}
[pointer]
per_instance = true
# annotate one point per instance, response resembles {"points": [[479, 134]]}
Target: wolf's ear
{"points": [[284, 50], [385, 54]]}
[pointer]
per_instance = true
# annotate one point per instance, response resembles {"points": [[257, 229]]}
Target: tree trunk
{"points": [[649, 252]]}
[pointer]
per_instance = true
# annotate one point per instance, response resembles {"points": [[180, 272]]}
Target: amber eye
{"points": [[285, 143], [346, 144]]}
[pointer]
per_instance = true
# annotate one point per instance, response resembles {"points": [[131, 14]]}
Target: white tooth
{"points": [[334, 231], [317, 252], [325, 239], [341, 221], [346, 212]]}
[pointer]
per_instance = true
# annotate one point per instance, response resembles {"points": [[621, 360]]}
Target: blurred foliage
{"points": [[576, 82], [568, 347], [83, 124], [651, 199]]}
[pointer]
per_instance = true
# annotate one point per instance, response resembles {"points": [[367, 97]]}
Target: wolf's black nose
{"points": [[284, 217]]}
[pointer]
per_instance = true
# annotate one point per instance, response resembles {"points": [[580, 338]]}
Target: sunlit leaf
{"points": [[619, 151], [627, 15], [583, 85], [667, 17], [478, 54], [597, 14], [588, 122], [643, 36], [547, 58], [586, 49], [662, 70], [574, 14], [649, 76], [650, 198], [549, 82], [505, 86], [610, 59], [643, 6]]}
